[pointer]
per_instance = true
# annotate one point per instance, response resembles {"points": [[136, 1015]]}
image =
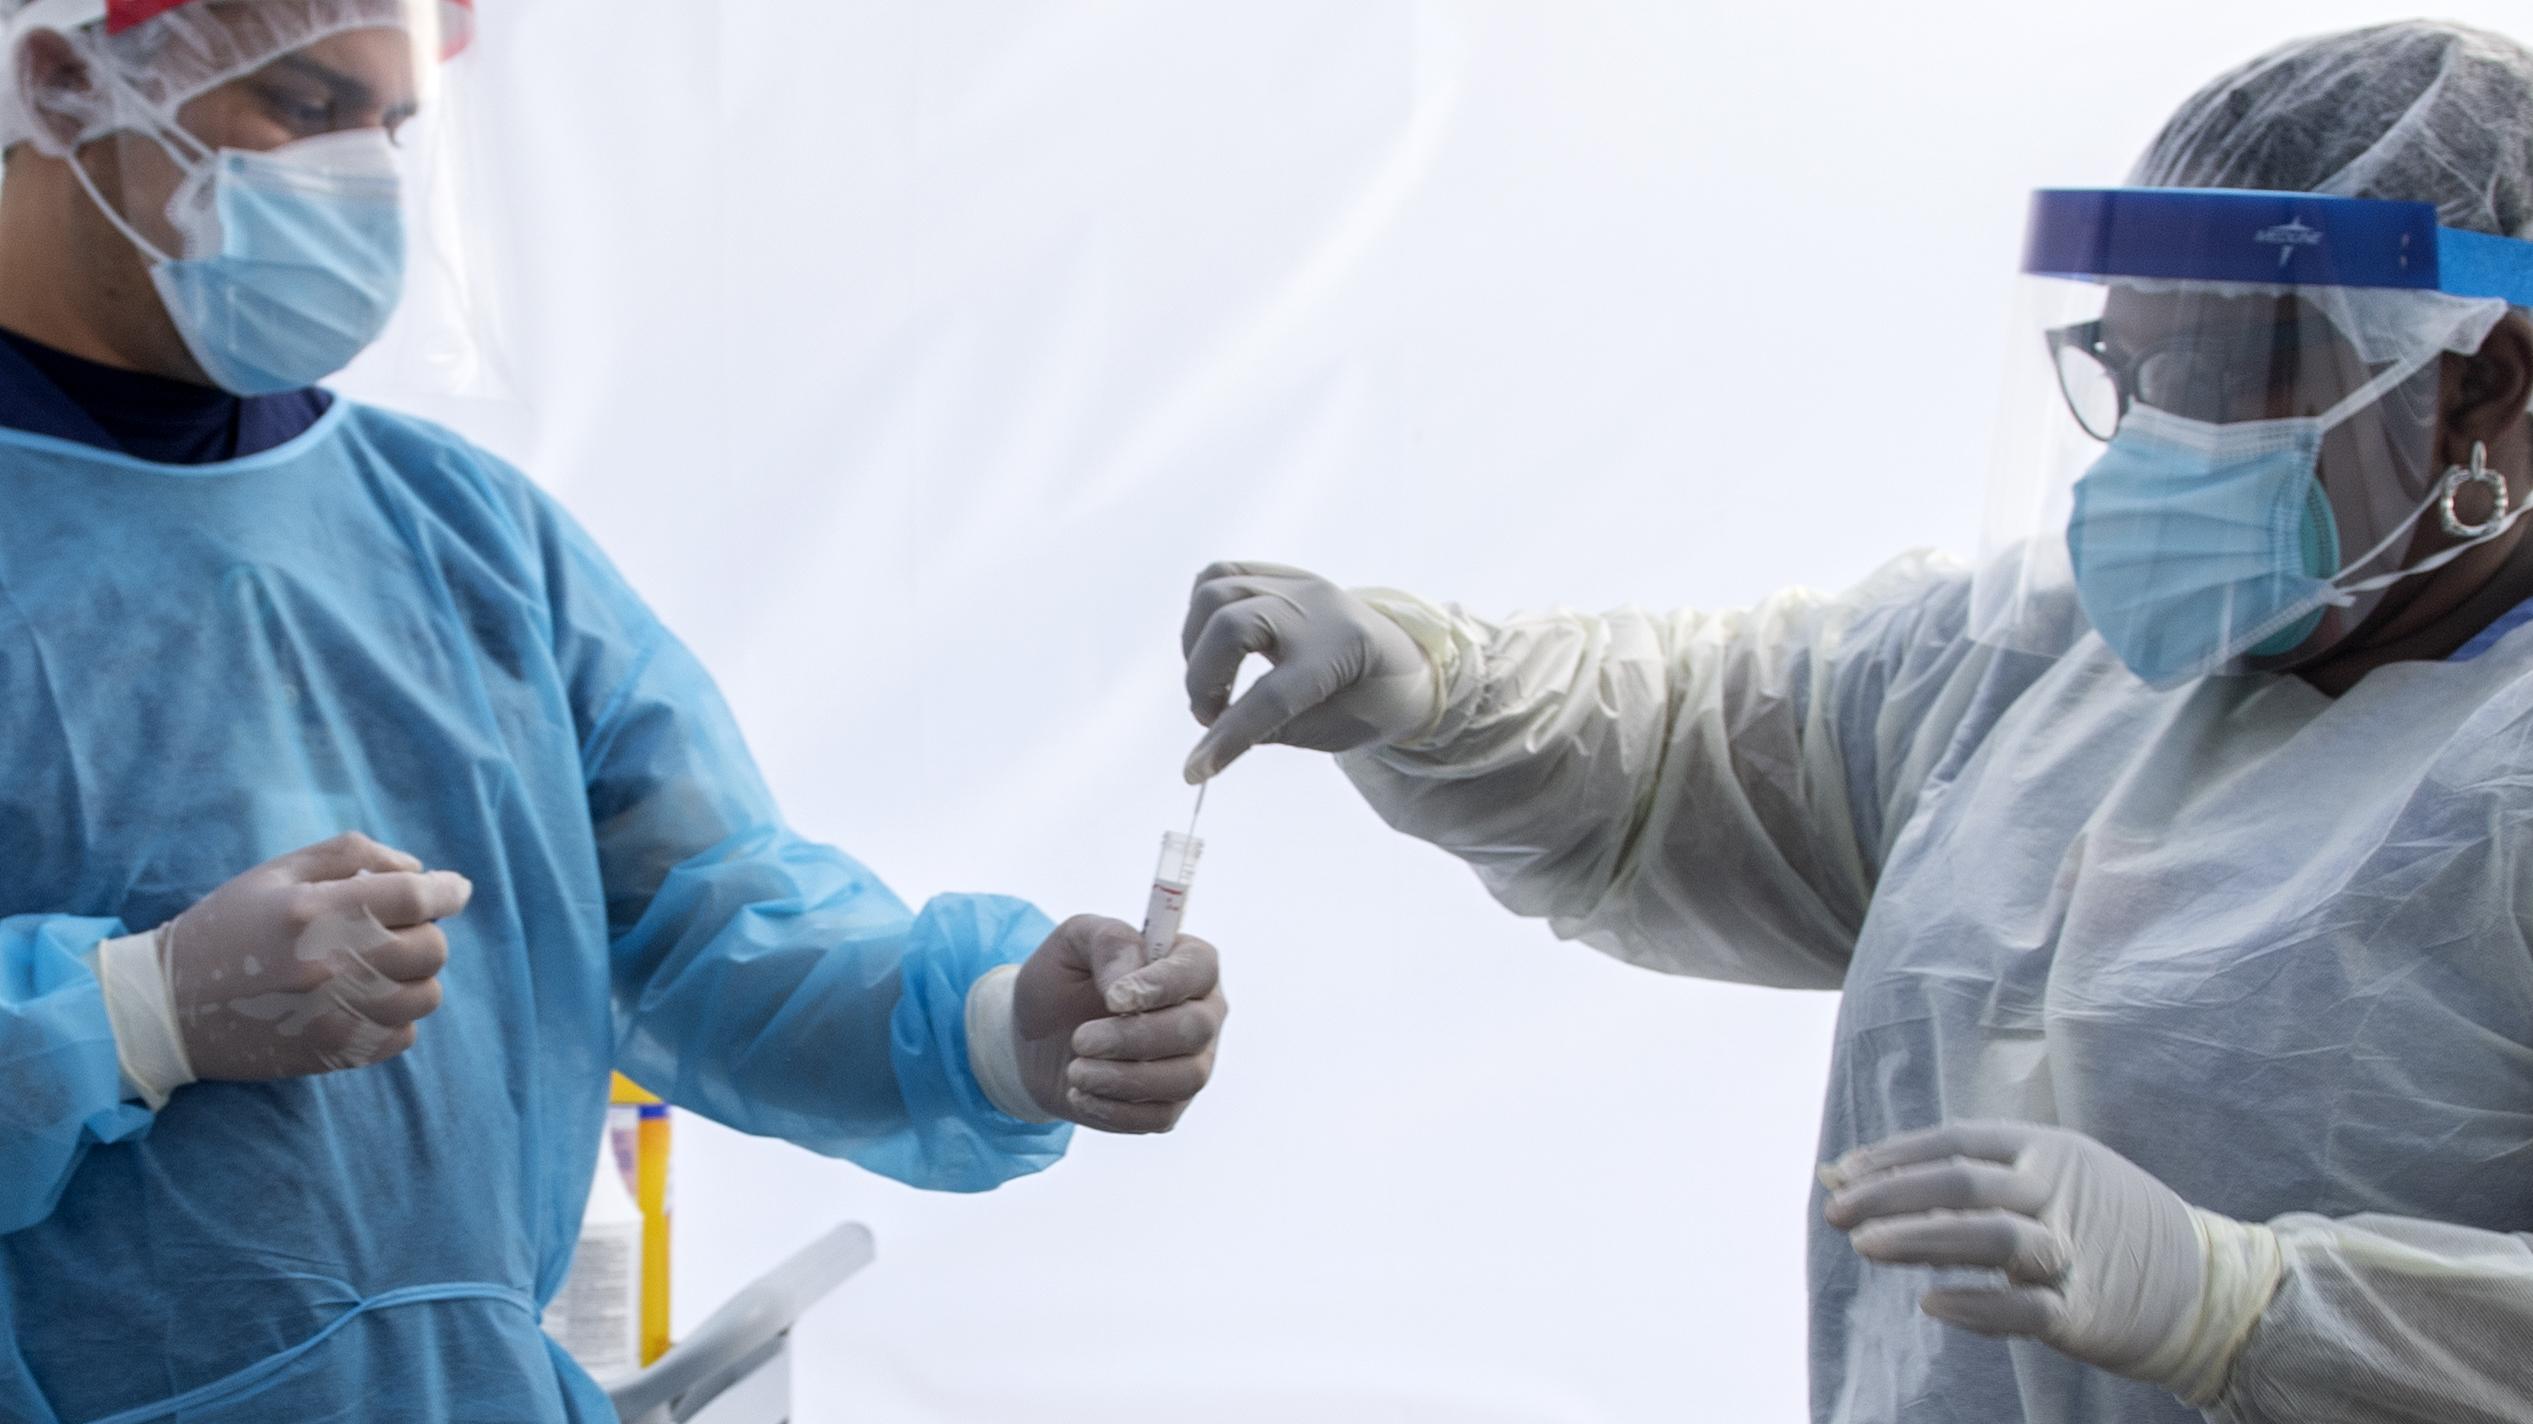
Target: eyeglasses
{"points": [[2219, 379]]}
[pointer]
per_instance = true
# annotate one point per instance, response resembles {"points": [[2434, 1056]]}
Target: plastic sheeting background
{"points": [[912, 356]]}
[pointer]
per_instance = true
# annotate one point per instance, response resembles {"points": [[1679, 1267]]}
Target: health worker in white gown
{"points": [[2175, 861]]}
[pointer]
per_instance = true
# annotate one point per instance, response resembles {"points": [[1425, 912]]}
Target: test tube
{"points": [[1170, 880]]}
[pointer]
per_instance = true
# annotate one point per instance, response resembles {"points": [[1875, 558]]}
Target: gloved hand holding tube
{"points": [[1345, 675], [315, 961], [1107, 1026], [1087, 1031], [1108, 1040]]}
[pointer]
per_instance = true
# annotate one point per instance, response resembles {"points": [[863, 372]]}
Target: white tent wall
{"points": [[911, 357]]}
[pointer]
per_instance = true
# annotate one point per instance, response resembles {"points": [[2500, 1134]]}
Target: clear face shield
{"points": [[2221, 434], [288, 170]]}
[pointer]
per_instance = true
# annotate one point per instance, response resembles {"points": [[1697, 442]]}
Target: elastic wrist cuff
{"points": [[1429, 627], [149, 1045], [993, 1050], [2244, 1265]]}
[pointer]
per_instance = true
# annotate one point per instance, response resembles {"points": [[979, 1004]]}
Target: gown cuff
{"points": [[993, 1051], [1429, 626], [2243, 1268]]}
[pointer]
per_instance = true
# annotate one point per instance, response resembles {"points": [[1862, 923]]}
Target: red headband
{"points": [[122, 15], [457, 19]]}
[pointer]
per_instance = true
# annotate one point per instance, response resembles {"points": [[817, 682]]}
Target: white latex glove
{"points": [[318, 960], [1107, 1041], [2102, 1261], [1345, 675]]}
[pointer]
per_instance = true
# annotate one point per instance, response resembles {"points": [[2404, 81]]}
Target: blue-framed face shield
{"points": [[2220, 436]]}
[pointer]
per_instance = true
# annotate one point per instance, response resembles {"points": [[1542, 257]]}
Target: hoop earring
{"points": [[2479, 473]]}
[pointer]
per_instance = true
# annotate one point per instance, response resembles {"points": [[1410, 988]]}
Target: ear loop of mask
{"points": [[2454, 477], [171, 139], [2343, 595]]}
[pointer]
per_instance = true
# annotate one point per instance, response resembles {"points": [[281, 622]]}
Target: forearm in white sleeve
{"points": [[1675, 789], [2389, 1320]]}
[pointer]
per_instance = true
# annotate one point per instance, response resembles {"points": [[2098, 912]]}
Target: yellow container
{"points": [[651, 1194]]}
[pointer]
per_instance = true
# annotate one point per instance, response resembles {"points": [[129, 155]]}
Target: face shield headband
{"points": [[2203, 536]]}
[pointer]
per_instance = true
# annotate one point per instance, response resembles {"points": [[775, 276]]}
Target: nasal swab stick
{"points": [[1170, 880]]}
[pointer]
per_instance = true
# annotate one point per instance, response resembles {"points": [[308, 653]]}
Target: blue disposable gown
{"points": [[2275, 947], [377, 627]]}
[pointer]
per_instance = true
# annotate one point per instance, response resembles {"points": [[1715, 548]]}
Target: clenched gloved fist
{"points": [[2101, 1261], [314, 961], [1108, 1041], [1345, 675]]}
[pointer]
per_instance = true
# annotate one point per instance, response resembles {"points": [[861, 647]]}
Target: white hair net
{"points": [[2388, 325], [143, 75], [2421, 111]]}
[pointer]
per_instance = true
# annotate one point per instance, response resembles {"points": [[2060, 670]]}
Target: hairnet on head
{"points": [[2421, 111], [143, 74]]}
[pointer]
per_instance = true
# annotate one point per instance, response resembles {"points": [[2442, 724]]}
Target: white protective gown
{"points": [[2269, 945]]}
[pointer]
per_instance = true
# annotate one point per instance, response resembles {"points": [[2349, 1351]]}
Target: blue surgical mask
{"points": [[2196, 543], [2193, 542], [294, 257]]}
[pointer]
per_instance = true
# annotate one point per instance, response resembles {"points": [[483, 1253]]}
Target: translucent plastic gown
{"points": [[2269, 945], [378, 628]]}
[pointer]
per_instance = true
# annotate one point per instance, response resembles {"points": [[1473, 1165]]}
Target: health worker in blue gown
{"points": [[2174, 862], [356, 819]]}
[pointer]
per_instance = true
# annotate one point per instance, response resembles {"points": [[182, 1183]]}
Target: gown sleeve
{"points": [[60, 1090], [764, 980], [1700, 793], [2389, 1320]]}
